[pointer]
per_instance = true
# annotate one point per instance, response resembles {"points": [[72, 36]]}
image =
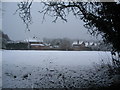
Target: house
{"points": [[79, 45], [37, 44]]}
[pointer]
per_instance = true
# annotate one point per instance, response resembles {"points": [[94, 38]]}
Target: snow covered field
{"points": [[47, 69]]}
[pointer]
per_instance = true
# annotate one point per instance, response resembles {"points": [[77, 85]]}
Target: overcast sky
{"points": [[15, 28]]}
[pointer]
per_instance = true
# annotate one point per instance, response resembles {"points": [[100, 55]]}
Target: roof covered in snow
{"points": [[35, 40], [37, 44], [77, 42], [86, 43]]}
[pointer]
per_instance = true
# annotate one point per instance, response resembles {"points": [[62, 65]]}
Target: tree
{"points": [[99, 17], [3, 40], [61, 43], [65, 44]]}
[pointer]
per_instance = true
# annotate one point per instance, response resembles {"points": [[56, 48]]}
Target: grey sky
{"points": [[15, 28], [0, 16]]}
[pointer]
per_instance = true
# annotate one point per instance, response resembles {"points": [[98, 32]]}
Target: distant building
{"points": [[37, 44], [80, 45]]}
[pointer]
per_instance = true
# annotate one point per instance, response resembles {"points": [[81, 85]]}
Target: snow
{"points": [[35, 40], [46, 69], [86, 44], [37, 44], [77, 42], [91, 43], [95, 44]]}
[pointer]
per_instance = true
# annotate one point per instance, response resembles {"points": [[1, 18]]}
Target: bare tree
{"points": [[99, 17], [65, 44]]}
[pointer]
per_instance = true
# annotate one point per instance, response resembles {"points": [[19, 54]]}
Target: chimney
{"points": [[78, 42]]}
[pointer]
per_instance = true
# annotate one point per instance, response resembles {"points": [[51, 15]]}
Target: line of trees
{"points": [[64, 44]]}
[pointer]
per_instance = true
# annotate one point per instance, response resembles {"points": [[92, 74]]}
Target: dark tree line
{"points": [[4, 38]]}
